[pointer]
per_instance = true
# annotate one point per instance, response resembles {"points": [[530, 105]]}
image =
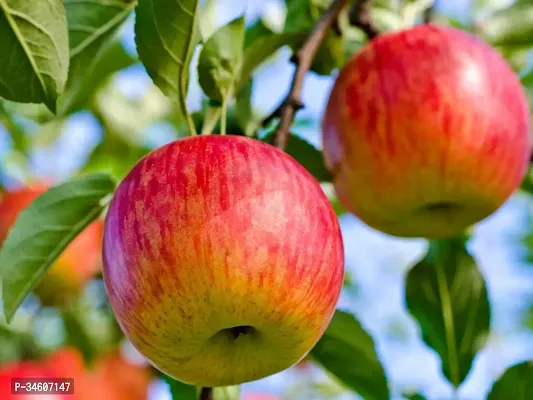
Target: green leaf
{"points": [[415, 396], [221, 59], [91, 25], [306, 154], [301, 17], [165, 33], [244, 111], [43, 230], [348, 352], [33, 50], [516, 383], [111, 59], [263, 48], [180, 390], [255, 31], [510, 26], [447, 295]]}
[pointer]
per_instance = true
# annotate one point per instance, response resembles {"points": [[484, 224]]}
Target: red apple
{"points": [[223, 259], [79, 262], [64, 363], [426, 131], [114, 378]]}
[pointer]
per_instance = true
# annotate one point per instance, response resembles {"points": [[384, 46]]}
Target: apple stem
{"points": [[206, 393], [360, 16], [303, 59], [429, 13]]}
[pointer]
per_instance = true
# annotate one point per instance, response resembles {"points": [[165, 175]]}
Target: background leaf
{"points": [[180, 390], [244, 111], [447, 295], [33, 50], [263, 48], [43, 230], [164, 46], [221, 58], [91, 25], [301, 16], [306, 154], [510, 26], [516, 383], [348, 352]]}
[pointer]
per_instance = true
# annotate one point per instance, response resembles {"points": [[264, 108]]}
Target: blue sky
{"points": [[377, 262]]}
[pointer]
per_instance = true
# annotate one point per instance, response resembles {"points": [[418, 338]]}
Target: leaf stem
{"points": [[429, 13], [303, 59], [224, 115], [185, 112], [442, 248]]}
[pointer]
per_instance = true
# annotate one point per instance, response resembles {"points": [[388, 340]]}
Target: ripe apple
{"points": [[426, 131], [63, 363], [223, 259], [79, 262], [114, 378]]}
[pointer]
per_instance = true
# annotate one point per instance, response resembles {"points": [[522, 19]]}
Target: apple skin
{"points": [[223, 259], [78, 263], [426, 131]]}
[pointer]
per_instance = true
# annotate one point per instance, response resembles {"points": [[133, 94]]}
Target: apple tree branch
{"points": [[303, 59]]}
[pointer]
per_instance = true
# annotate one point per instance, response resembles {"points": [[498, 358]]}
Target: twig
{"points": [[360, 16], [429, 13], [206, 393], [303, 59]]}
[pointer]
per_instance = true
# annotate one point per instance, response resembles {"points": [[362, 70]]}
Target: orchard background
{"points": [[110, 114]]}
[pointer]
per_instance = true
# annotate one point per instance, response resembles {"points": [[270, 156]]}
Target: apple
{"points": [[63, 363], [426, 131], [223, 259], [114, 378], [78, 263]]}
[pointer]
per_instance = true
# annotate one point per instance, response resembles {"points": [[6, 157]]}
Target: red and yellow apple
{"points": [[78, 263], [223, 259], [426, 131]]}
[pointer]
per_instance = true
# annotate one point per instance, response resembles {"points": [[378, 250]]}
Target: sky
{"points": [[378, 262]]}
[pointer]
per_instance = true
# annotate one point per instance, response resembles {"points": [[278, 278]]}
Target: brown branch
{"points": [[303, 58], [360, 16], [206, 393]]}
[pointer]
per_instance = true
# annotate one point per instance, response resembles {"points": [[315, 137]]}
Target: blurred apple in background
{"points": [[110, 377], [78, 263]]}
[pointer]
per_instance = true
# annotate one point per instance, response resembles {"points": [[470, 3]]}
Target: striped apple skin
{"points": [[213, 232], [427, 132]]}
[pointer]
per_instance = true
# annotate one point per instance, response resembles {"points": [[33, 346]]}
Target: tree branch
{"points": [[360, 16], [303, 59], [206, 393]]}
